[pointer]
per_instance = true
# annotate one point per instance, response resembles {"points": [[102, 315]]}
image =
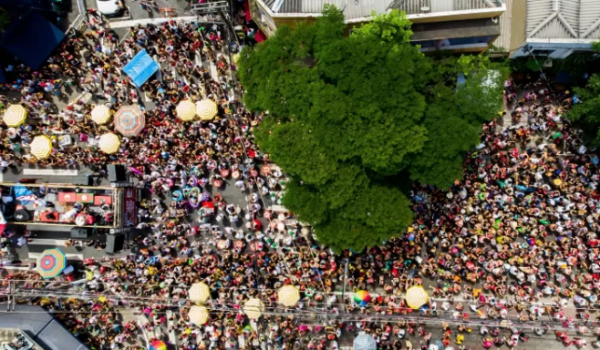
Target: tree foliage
{"points": [[347, 115], [587, 113]]}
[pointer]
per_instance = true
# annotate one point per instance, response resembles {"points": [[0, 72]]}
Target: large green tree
{"points": [[587, 113], [350, 117]]}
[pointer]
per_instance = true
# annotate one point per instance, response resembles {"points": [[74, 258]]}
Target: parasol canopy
{"points": [[101, 114], [362, 298], [157, 345], [254, 308], [199, 292], [288, 295], [198, 315], [416, 296], [41, 147], [186, 110], [51, 263], [364, 341], [206, 109], [15, 115], [129, 120], [109, 143]]}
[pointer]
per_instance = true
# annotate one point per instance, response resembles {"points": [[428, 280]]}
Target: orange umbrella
{"points": [[129, 120]]}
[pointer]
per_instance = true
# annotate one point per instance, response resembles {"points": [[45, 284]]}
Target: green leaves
{"points": [[390, 27], [348, 114], [587, 113]]}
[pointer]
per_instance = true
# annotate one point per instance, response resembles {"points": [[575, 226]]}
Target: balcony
{"points": [[418, 7], [357, 11], [427, 11]]}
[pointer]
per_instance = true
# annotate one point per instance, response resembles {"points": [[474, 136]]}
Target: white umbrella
{"points": [[199, 292]]}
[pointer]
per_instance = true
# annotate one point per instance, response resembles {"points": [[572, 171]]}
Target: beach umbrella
{"points": [[41, 147], [254, 308], [101, 114], [206, 109], [15, 115], [364, 341], [199, 292], [109, 143], [198, 315], [362, 298], [288, 295], [51, 263], [157, 345], [186, 110], [129, 121], [416, 296]]}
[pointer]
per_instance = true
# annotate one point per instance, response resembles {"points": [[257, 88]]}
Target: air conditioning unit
{"points": [[547, 63]]}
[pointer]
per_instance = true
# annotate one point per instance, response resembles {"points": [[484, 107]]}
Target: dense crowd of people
{"points": [[509, 251]]}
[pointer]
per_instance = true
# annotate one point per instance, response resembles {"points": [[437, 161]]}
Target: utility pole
{"points": [[344, 285]]}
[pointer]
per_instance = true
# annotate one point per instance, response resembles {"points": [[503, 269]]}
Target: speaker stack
{"points": [[115, 243], [116, 173]]}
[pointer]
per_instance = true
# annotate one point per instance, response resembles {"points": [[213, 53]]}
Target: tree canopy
{"points": [[352, 118], [587, 113]]}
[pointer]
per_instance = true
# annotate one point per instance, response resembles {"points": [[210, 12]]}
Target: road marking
{"points": [[45, 241], [145, 21], [53, 172], [69, 256]]}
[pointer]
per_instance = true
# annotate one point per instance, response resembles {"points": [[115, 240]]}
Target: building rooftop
{"points": [[39, 327], [563, 19], [356, 9]]}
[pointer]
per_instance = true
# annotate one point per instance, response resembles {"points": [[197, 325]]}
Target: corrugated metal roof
{"points": [[589, 19], [569, 10], [537, 12], [553, 30], [270, 3], [363, 8], [562, 19]]}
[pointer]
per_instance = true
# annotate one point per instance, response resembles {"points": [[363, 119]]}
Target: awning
{"points": [[259, 36], [247, 11], [33, 40], [141, 68]]}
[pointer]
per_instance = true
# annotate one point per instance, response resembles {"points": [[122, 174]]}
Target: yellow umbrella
{"points": [[254, 308], [199, 292], [109, 143], [186, 110], [15, 115], [101, 114], [198, 315], [288, 295], [41, 147], [416, 296], [206, 109]]}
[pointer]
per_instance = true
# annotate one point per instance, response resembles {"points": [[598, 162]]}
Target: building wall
{"points": [[503, 41], [464, 42], [518, 25], [455, 16]]}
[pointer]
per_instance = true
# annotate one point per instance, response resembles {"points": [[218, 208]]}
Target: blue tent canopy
{"points": [[33, 40], [141, 68]]}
